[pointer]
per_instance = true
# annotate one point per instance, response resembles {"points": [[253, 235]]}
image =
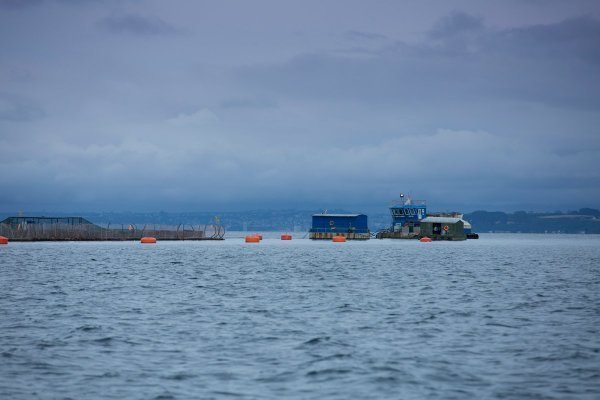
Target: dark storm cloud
{"points": [[317, 106], [463, 74], [136, 24], [553, 64], [577, 38]]}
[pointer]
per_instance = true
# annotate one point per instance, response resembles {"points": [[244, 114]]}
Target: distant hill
{"points": [[586, 220]]}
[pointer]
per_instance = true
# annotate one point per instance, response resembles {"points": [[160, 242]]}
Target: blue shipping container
{"points": [[339, 223]]}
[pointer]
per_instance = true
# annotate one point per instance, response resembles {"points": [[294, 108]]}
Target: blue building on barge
{"points": [[351, 226], [407, 215]]}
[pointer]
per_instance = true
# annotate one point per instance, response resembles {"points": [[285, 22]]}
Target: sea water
{"points": [[505, 316]]}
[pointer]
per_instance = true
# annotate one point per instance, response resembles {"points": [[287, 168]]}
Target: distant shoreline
{"points": [[582, 221]]}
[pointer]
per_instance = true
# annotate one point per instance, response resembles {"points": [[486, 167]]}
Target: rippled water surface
{"points": [[506, 316]]}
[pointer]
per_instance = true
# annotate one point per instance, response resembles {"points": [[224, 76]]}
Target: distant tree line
{"points": [[585, 220]]}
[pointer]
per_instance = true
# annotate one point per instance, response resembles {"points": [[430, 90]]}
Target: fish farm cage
{"points": [[30, 229]]}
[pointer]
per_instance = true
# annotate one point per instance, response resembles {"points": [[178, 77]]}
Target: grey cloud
{"points": [[359, 35], [83, 2], [455, 24], [16, 73], [488, 65], [574, 37], [18, 109], [136, 24], [244, 113], [248, 103], [20, 4], [16, 4], [197, 118], [264, 171]]}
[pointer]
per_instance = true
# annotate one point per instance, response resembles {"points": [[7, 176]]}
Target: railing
{"points": [[339, 230], [39, 232], [411, 202]]}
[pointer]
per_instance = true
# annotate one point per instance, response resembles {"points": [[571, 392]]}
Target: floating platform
{"points": [[396, 235], [330, 235], [350, 226], [36, 229], [410, 220]]}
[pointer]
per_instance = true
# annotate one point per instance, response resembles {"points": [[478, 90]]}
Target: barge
{"points": [[410, 220], [350, 226]]}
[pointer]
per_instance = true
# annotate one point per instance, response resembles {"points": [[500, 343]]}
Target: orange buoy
{"points": [[286, 237], [339, 239], [148, 240], [253, 239], [3, 240], [425, 239]]}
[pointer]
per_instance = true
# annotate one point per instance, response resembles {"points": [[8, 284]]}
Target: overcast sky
{"points": [[233, 105]]}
